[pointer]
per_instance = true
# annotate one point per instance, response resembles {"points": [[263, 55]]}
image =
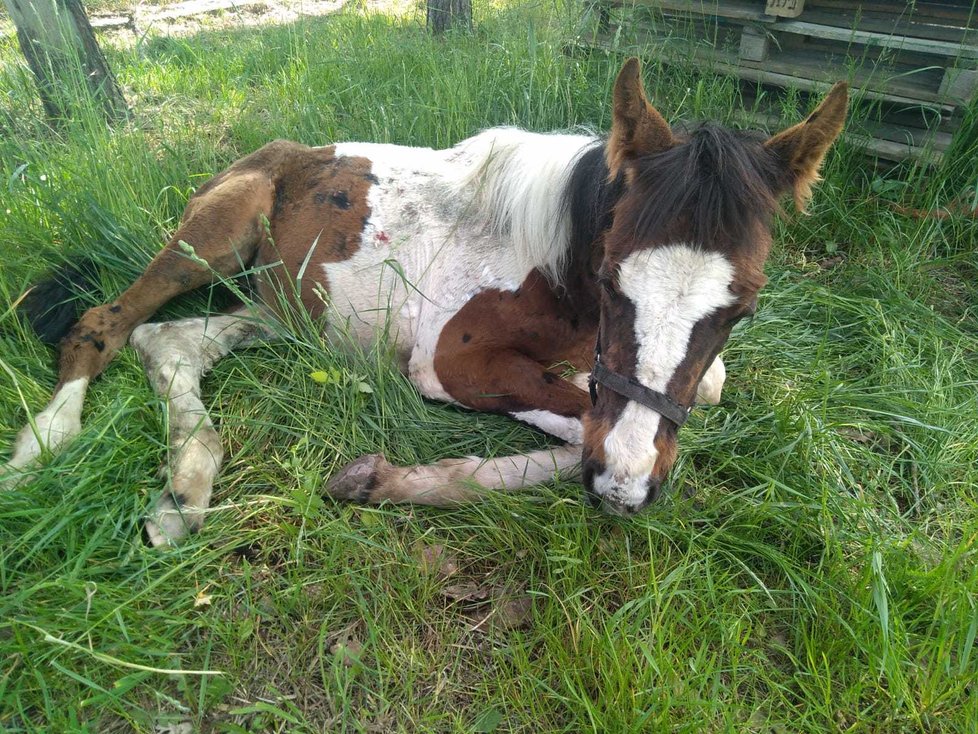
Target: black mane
{"points": [[711, 189], [589, 200]]}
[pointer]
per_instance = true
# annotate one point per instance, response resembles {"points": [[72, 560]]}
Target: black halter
{"points": [[632, 389]]}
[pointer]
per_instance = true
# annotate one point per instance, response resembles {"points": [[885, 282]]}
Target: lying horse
{"points": [[489, 264]]}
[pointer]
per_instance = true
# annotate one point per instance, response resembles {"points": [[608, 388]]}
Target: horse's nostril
{"points": [[588, 481], [654, 490]]}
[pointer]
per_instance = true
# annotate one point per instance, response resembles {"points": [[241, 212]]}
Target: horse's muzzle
{"points": [[608, 502]]}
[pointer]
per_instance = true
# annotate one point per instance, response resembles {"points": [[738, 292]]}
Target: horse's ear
{"points": [[802, 148], [637, 128]]}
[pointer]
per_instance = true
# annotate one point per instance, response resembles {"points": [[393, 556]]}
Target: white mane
{"points": [[515, 180]]}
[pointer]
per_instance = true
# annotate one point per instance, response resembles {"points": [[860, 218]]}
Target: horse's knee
{"points": [[711, 385], [142, 337]]}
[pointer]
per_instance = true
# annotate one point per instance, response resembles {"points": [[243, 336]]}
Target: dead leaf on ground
{"points": [[507, 613], [860, 436], [467, 592], [202, 599], [830, 262], [436, 561], [502, 613], [347, 651], [490, 607]]}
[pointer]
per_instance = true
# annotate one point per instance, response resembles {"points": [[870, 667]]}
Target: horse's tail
{"points": [[54, 305]]}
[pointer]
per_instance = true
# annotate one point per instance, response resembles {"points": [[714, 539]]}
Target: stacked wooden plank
{"points": [[913, 66]]}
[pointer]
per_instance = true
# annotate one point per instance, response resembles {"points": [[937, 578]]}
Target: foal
{"points": [[489, 263]]}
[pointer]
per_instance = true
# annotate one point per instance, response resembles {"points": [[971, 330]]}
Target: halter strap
{"points": [[632, 389]]}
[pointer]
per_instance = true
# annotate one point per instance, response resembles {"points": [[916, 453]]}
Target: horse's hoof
{"points": [[170, 523], [357, 480]]}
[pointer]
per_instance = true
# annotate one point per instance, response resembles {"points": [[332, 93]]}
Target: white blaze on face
{"points": [[672, 288]]}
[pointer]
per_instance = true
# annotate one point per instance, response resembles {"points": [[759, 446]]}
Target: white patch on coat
{"points": [[428, 246], [515, 174], [54, 426], [672, 288], [564, 428], [581, 380]]}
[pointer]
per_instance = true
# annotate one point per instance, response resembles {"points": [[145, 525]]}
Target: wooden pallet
{"points": [[913, 66]]}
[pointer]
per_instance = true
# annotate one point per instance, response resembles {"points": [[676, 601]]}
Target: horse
{"points": [[625, 260]]}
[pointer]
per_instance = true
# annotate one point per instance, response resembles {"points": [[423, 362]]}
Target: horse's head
{"points": [[683, 262]]}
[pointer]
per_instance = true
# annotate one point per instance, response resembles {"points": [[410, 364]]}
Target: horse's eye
{"points": [[607, 284], [748, 311]]}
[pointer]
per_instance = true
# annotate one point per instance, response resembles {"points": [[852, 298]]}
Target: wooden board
{"points": [[902, 19], [801, 69], [734, 9], [890, 24], [913, 67], [882, 40]]}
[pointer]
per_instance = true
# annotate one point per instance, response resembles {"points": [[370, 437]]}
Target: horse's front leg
{"points": [[451, 482], [506, 382]]}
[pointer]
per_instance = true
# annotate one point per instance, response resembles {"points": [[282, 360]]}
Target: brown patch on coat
{"points": [[318, 217], [495, 354], [596, 430], [667, 446], [619, 353]]}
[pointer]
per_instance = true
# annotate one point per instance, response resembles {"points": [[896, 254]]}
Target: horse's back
{"points": [[395, 240]]}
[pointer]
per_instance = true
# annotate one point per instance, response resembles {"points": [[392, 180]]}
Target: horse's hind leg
{"points": [[220, 232], [176, 355]]}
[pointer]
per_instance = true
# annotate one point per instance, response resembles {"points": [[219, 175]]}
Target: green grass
{"points": [[813, 570]]}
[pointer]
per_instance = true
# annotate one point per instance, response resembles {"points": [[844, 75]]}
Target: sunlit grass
{"points": [[812, 570]]}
